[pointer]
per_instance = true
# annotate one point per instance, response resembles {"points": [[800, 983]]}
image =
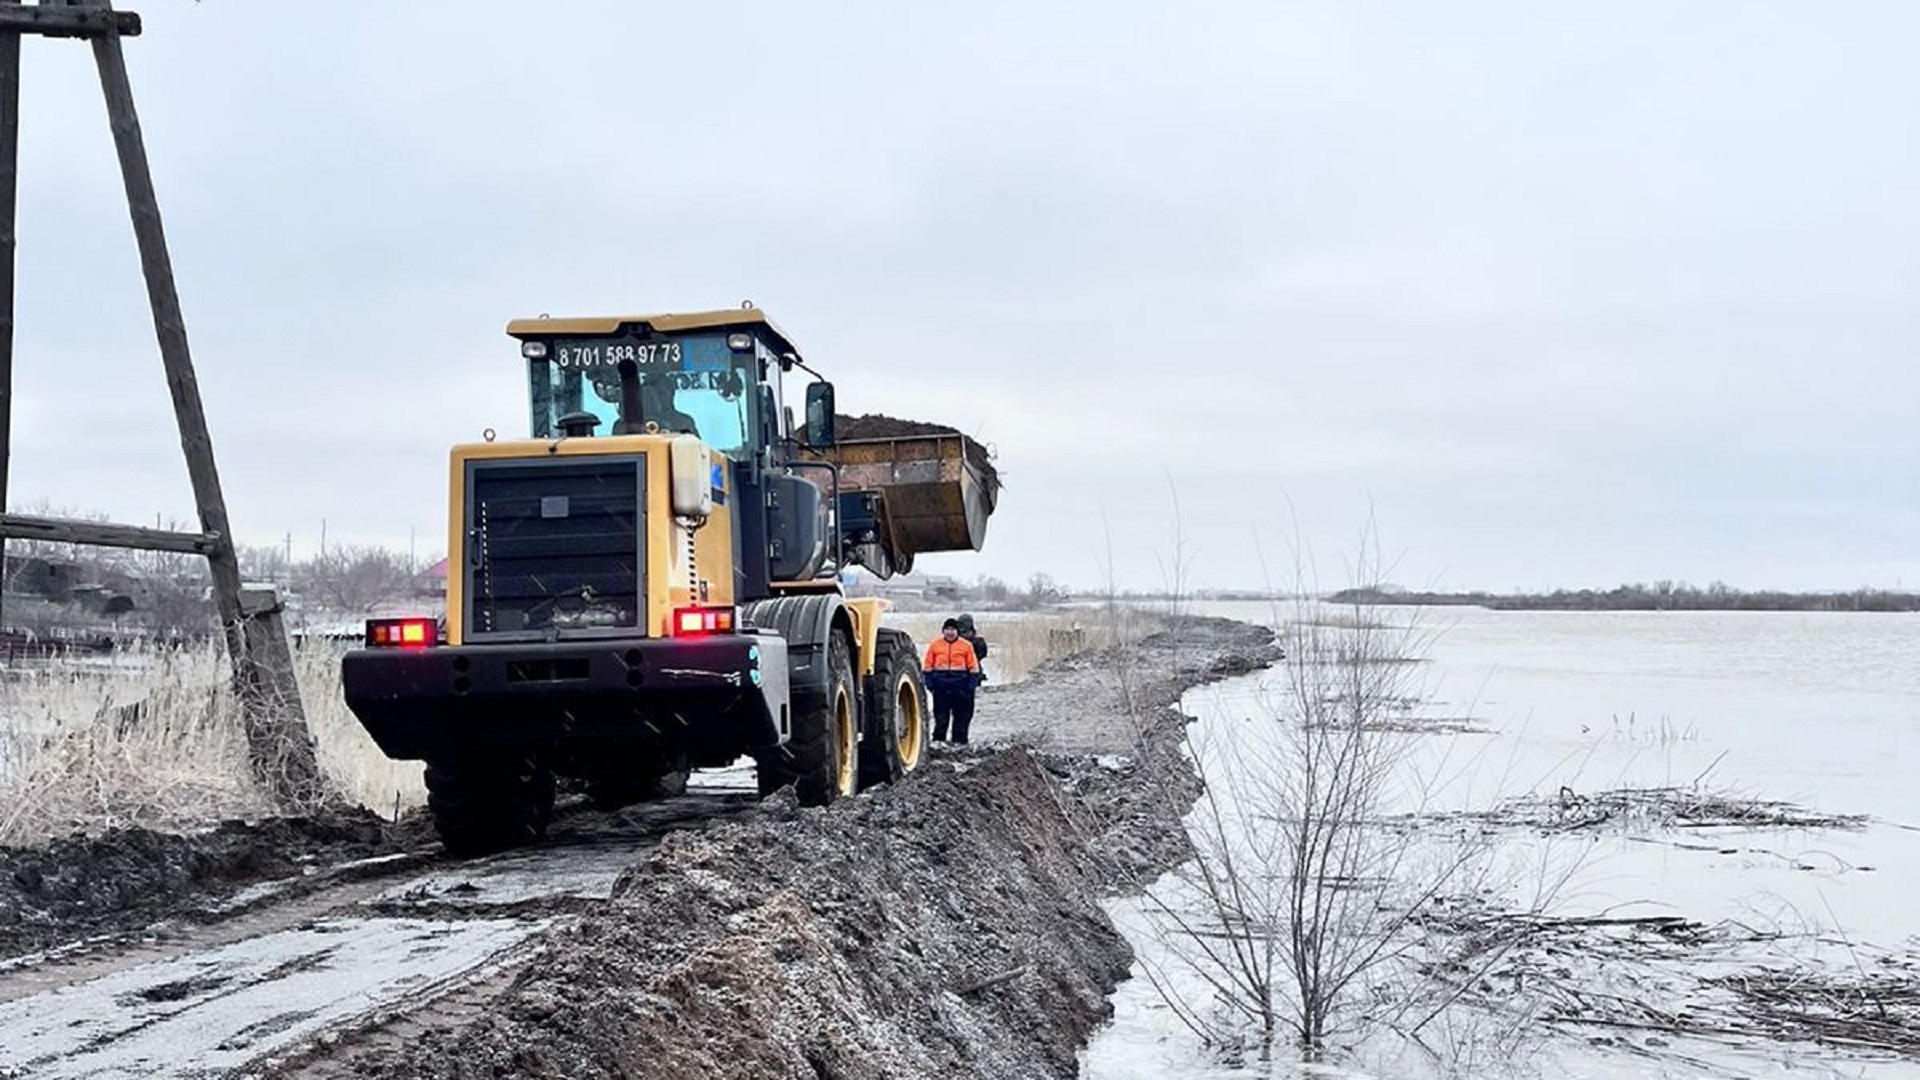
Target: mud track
{"points": [[948, 926]]}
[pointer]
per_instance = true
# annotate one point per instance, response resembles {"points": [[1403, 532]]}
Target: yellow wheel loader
{"points": [[652, 582]]}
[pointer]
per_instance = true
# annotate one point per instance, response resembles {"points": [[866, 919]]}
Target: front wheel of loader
{"points": [[819, 759], [481, 805], [896, 740]]}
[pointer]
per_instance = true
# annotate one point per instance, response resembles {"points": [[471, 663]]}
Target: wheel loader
{"points": [[651, 582]]}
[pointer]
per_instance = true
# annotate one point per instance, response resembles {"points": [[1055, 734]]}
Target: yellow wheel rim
{"points": [[906, 706], [843, 725]]}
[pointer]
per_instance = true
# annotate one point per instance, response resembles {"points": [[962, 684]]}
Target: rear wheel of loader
{"points": [[819, 759], [481, 805], [896, 740]]}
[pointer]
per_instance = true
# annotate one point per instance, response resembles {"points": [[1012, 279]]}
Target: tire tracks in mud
{"points": [[259, 910], [366, 953], [338, 1055]]}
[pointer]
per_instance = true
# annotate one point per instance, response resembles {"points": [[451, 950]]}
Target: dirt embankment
{"points": [[945, 928], [948, 926]]}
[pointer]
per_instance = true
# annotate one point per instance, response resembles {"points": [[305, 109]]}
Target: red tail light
{"points": [[402, 633], [698, 621]]}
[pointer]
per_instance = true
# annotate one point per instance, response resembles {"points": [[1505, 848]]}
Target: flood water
{"points": [[1813, 709]]}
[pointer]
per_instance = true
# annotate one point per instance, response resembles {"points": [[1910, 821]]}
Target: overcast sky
{"points": [[1558, 295]]}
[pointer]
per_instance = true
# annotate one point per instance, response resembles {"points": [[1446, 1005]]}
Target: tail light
{"points": [[699, 621], [413, 633]]}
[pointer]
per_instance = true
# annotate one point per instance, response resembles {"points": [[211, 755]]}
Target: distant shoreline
{"points": [[1658, 597]]}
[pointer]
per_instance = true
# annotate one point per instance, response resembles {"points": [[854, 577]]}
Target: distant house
{"points": [[917, 586], [430, 582], [52, 579]]}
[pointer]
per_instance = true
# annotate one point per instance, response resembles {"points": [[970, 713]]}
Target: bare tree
{"points": [[353, 579], [1041, 590], [1306, 916], [263, 562]]}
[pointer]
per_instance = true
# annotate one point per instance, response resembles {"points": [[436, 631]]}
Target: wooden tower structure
{"points": [[280, 747]]}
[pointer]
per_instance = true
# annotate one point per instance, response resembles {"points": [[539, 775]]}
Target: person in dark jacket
{"points": [[952, 674], [974, 639]]}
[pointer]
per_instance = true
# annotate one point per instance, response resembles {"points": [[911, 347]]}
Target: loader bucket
{"points": [[938, 488]]}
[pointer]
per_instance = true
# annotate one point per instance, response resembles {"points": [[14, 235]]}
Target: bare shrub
{"points": [[1295, 897], [1303, 918]]}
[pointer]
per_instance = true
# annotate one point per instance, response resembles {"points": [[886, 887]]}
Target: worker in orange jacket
{"points": [[952, 672]]}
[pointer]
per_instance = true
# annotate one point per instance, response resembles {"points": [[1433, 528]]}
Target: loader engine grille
{"points": [[554, 548]]}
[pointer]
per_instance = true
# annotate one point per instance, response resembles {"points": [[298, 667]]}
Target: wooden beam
{"points": [[9, 174], [280, 745], [101, 534], [68, 21], [170, 326]]}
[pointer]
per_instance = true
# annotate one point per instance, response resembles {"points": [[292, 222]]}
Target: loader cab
{"points": [[717, 375], [720, 375]]}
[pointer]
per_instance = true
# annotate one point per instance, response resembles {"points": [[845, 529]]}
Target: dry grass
{"points": [[348, 758], [154, 740], [1640, 809], [1019, 642]]}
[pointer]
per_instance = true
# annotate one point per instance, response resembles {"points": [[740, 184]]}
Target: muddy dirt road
{"points": [[947, 926], [235, 978]]}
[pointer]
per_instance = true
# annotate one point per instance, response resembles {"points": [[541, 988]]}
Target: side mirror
{"points": [[820, 414]]}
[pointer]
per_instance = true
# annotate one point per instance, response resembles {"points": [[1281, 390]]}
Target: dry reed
{"points": [[351, 762], [153, 739]]}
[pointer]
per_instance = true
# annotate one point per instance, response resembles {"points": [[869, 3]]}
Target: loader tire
{"points": [[820, 758], [612, 794], [896, 739], [481, 805]]}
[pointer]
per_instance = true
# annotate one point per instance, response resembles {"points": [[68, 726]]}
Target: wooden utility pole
{"points": [[9, 154], [279, 744]]}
